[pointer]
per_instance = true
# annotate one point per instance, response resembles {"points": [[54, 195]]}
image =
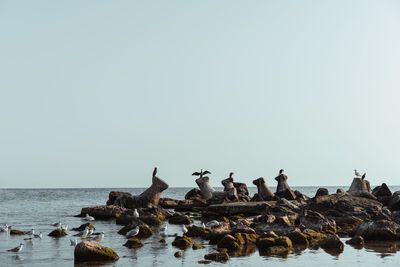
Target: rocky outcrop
{"points": [[381, 230], [193, 194], [206, 189], [87, 251], [321, 192], [283, 189], [103, 212], [118, 198], [263, 191], [247, 208], [230, 189], [359, 185]]}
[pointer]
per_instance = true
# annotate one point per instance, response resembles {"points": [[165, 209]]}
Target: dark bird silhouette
{"points": [[155, 171], [281, 171], [201, 173], [363, 176], [231, 174]]}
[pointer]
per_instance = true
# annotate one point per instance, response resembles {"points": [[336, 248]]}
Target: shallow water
{"points": [[25, 209]]}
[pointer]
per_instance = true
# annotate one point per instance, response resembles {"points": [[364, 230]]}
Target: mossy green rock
{"points": [[16, 232], [182, 242], [83, 226], [332, 242], [178, 254], [144, 231], [197, 246], [58, 233], [246, 239], [229, 242], [196, 231], [152, 220], [88, 251], [265, 243], [180, 219], [298, 238], [133, 243], [357, 241], [217, 256]]}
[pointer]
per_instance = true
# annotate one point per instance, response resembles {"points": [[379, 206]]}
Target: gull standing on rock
{"points": [[133, 232], [357, 174], [213, 223], [184, 229], [88, 218], [4, 228], [17, 249], [99, 238], [83, 234], [135, 214]]}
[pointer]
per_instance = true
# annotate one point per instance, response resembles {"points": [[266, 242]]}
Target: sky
{"points": [[97, 93]]}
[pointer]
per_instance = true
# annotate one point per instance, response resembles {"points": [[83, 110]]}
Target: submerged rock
{"points": [[197, 246], [182, 242], [217, 256], [133, 243], [87, 251], [381, 230], [357, 241], [178, 254], [58, 233], [83, 226], [332, 242]]}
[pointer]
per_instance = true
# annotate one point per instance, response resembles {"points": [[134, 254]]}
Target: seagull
{"points": [[30, 233], [135, 214], [88, 218], [64, 227], [281, 171], [38, 235], [83, 234], [133, 232], [74, 242], [203, 225], [357, 173], [4, 228], [184, 229], [99, 238], [163, 231], [363, 176], [213, 223], [57, 224], [17, 249]]}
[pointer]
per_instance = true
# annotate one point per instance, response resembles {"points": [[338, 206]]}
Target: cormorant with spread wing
{"points": [[201, 173]]}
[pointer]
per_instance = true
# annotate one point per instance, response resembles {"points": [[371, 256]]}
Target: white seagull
{"points": [[184, 229], [89, 218], [74, 242], [357, 173], [213, 223], [17, 249], [40, 235], [57, 224], [203, 225], [99, 238], [135, 214], [30, 233], [163, 231], [84, 233], [64, 227], [133, 232], [4, 228]]}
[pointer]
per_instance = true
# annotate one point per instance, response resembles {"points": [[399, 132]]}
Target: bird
{"points": [[213, 223], [40, 235], [357, 173], [135, 214], [64, 227], [184, 229], [133, 232], [57, 224], [155, 171], [74, 242], [17, 249], [4, 228], [201, 173], [83, 234], [281, 171], [231, 174], [30, 233], [99, 238], [363, 176], [91, 230], [163, 231], [88, 218]]}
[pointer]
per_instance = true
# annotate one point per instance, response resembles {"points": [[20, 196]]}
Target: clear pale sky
{"points": [[97, 93]]}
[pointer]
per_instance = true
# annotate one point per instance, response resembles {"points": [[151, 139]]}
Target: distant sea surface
{"points": [[25, 209]]}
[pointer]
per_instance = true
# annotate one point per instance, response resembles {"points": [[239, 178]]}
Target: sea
{"points": [[38, 209]]}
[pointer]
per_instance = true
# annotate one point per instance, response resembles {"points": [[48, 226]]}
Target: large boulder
{"points": [[283, 189], [263, 191], [88, 251], [104, 212], [359, 185], [382, 190], [118, 198], [381, 230]]}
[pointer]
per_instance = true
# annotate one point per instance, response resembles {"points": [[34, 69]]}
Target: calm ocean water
{"points": [[25, 209]]}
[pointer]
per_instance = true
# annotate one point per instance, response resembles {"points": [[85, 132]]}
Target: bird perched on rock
{"points": [[5, 228], [357, 174], [163, 231], [184, 229], [83, 234], [57, 224], [74, 242], [99, 238], [88, 218], [201, 173], [40, 235], [213, 223], [17, 249], [363, 176], [133, 232], [281, 171], [64, 227], [135, 214], [91, 230], [203, 225]]}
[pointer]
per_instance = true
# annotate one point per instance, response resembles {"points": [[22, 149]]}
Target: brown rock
{"points": [[87, 251]]}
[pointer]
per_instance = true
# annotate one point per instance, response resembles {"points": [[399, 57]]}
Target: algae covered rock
{"points": [[332, 242], [83, 226], [58, 233], [144, 231], [182, 242], [298, 238], [381, 230], [180, 219], [197, 246], [87, 251], [356, 241], [217, 256], [133, 243], [265, 243], [178, 254], [246, 239], [152, 220], [196, 231], [229, 242], [16, 232]]}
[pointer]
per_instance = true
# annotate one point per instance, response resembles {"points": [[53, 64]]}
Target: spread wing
{"points": [[196, 174], [206, 172]]}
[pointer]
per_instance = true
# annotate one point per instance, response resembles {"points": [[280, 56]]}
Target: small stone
{"points": [[133, 243], [197, 246], [58, 233], [217, 256], [204, 262], [178, 254]]}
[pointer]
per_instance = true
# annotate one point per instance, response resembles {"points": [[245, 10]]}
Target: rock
{"points": [[230, 189], [241, 189], [283, 189], [204, 262], [332, 242], [58, 233], [394, 204], [298, 238], [197, 246], [229, 242], [180, 219], [206, 190], [196, 231], [317, 222], [217, 256], [83, 226], [300, 196], [118, 198], [357, 241], [182, 242], [263, 191], [128, 220], [359, 185], [168, 203], [152, 220], [246, 239], [321, 192], [133, 243], [381, 230], [339, 191], [264, 243], [144, 231], [246, 208], [382, 190], [16, 232], [193, 194], [87, 251], [178, 254], [103, 212]]}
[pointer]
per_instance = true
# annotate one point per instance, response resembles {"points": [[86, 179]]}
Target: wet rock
{"points": [[359, 185], [332, 242], [196, 231], [16, 232], [144, 231], [316, 221], [152, 220], [196, 246], [229, 242], [193, 194], [58, 233], [204, 262], [264, 243], [217, 256], [103, 212], [118, 198], [382, 230], [178, 254], [314, 237], [356, 241], [382, 190], [322, 192], [180, 219], [298, 238], [246, 208], [246, 239], [83, 226], [87, 251], [182, 242], [133, 243]]}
